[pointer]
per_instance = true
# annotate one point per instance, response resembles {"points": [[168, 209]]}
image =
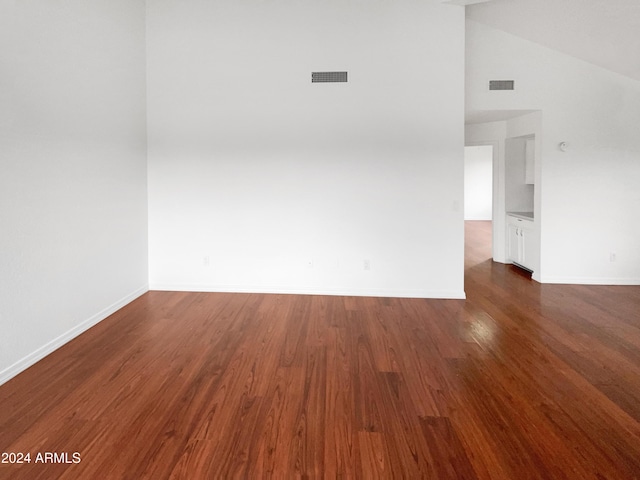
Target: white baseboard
{"points": [[436, 294], [590, 280], [25, 362]]}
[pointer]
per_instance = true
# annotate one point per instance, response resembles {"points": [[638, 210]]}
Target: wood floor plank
{"points": [[518, 381], [449, 457], [341, 442], [374, 456]]}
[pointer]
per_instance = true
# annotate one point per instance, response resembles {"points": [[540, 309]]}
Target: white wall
{"points": [[73, 242], [589, 195], [519, 195], [478, 182], [284, 185]]}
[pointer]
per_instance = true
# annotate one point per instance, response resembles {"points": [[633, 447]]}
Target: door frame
{"points": [[498, 214]]}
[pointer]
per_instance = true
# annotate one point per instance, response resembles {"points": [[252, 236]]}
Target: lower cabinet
{"points": [[515, 244], [522, 244]]}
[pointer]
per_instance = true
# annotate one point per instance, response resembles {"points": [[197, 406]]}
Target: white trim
{"points": [[591, 280], [435, 294], [27, 361]]}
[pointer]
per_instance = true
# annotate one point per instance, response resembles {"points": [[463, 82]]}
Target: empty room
{"points": [[319, 239]]}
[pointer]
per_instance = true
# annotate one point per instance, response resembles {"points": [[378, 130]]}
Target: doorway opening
{"points": [[478, 203]]}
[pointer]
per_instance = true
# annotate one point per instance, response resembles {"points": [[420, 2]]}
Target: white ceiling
{"points": [[602, 32], [484, 116]]}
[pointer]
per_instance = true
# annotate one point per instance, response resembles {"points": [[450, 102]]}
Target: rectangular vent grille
{"points": [[323, 77], [501, 85]]}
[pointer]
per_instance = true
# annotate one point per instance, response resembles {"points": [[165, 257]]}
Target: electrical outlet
{"points": [[367, 264], [206, 261], [612, 257]]}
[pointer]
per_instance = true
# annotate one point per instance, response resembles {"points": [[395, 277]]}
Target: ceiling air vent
{"points": [[324, 77], [501, 84]]}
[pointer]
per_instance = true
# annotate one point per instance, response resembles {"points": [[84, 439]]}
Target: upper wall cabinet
{"points": [[529, 161]]}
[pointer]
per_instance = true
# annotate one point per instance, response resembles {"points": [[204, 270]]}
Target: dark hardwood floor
{"points": [[520, 381]]}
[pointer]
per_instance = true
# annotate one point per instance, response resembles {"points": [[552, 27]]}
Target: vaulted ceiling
{"points": [[602, 32]]}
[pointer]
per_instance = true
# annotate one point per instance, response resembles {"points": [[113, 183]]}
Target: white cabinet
{"points": [[522, 242], [514, 243]]}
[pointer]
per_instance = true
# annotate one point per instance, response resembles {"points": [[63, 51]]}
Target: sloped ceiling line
{"points": [[603, 32]]}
